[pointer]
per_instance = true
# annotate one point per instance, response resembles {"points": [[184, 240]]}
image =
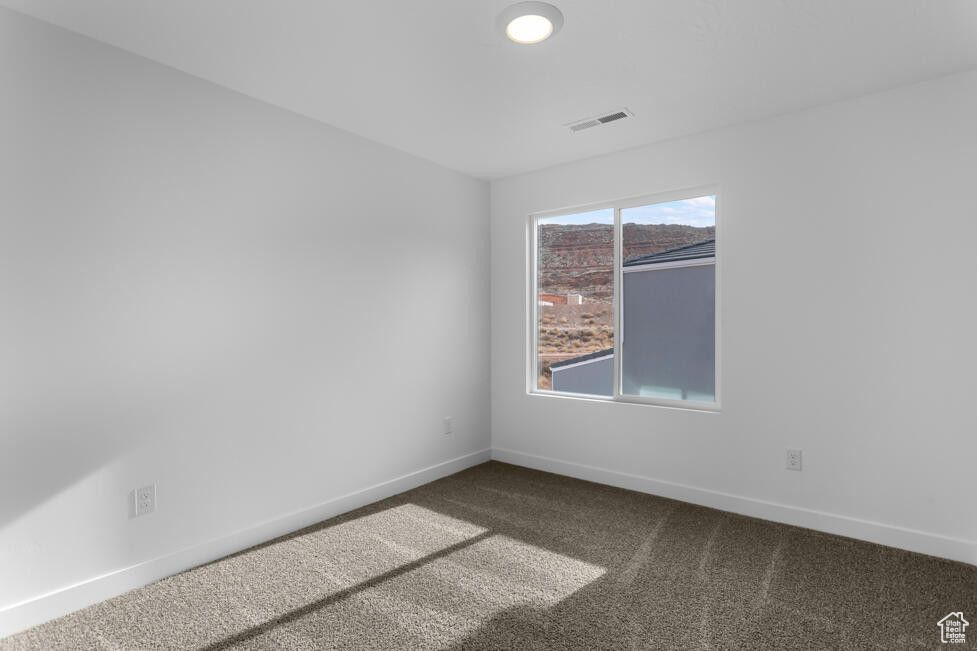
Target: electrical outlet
{"points": [[146, 499], [447, 426], [793, 459]]}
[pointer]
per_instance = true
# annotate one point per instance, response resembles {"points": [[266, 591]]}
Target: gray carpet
{"points": [[500, 557]]}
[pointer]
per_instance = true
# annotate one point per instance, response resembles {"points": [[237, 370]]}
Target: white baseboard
{"points": [[957, 549], [23, 615]]}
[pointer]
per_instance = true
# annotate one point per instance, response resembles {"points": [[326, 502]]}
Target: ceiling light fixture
{"points": [[528, 23]]}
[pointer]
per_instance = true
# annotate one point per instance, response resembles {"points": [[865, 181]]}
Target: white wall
{"points": [[254, 310], [847, 238]]}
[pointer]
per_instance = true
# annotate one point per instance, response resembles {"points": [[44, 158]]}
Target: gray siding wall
{"points": [[669, 345], [593, 378]]}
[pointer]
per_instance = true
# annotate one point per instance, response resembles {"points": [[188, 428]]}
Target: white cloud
{"points": [[699, 212]]}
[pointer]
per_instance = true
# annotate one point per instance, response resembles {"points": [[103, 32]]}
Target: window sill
{"points": [[699, 407]]}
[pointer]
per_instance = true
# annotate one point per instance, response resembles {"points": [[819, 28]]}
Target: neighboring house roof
{"points": [[582, 358], [706, 249]]}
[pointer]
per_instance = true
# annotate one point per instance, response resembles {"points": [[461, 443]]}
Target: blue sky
{"points": [[699, 212]]}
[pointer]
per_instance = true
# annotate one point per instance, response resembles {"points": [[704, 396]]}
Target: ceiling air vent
{"points": [[580, 125]]}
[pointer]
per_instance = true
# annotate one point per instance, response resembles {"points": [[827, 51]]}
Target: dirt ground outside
{"points": [[568, 331]]}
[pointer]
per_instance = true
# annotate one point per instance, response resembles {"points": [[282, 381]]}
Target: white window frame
{"points": [[533, 302]]}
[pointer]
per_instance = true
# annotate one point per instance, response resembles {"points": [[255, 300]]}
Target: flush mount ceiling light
{"points": [[527, 23]]}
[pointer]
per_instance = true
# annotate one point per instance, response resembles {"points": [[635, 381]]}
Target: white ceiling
{"points": [[436, 77]]}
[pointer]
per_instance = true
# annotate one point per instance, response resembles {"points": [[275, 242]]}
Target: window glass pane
{"points": [[575, 294], [668, 300]]}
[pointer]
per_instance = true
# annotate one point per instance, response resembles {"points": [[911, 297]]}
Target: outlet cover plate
{"points": [[794, 460], [146, 499]]}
